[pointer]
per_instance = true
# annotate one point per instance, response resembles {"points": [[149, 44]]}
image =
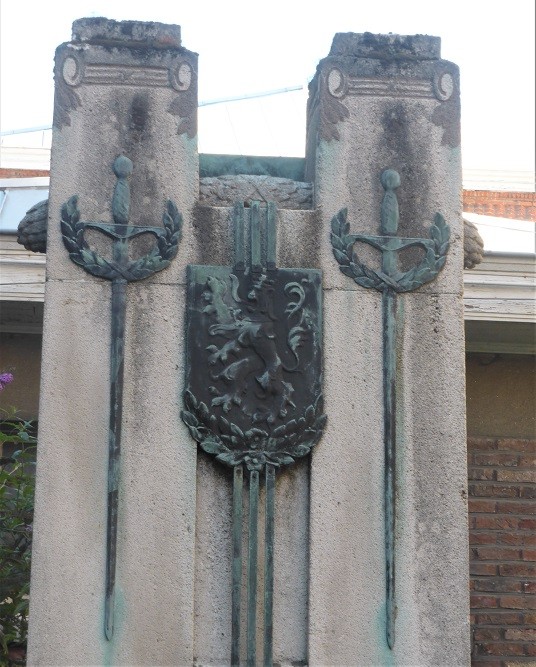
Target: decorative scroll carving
{"points": [[184, 79], [181, 76], [68, 73], [337, 83], [331, 110], [444, 85], [447, 114]]}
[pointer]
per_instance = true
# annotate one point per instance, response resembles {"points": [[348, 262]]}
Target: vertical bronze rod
{"points": [[269, 567], [389, 379], [117, 355], [270, 236], [255, 237], [239, 254], [252, 567], [238, 484]]}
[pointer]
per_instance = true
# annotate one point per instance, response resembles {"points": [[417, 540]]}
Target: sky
{"points": [[247, 47]]}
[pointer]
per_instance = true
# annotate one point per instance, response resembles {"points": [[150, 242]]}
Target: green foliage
{"points": [[17, 483]]}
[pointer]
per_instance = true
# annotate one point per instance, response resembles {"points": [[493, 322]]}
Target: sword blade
{"points": [[117, 355], [389, 406]]}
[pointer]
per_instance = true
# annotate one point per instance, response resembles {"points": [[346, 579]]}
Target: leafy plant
{"points": [[17, 483]]}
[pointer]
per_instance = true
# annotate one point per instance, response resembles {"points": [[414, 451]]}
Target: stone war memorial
{"points": [[252, 413]]}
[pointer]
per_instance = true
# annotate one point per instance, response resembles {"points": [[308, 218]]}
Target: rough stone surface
{"points": [[97, 118], [226, 190], [368, 45], [381, 102], [101, 30]]}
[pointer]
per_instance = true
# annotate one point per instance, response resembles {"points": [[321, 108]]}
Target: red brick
{"points": [[485, 602], [482, 505], [527, 461], [481, 473], [495, 459], [528, 554], [496, 553], [529, 587], [520, 634], [511, 538], [494, 491], [516, 475], [527, 524], [517, 602], [516, 445], [497, 585], [531, 650], [482, 569], [529, 540], [482, 538], [510, 507], [528, 492], [503, 648], [483, 634], [529, 618], [497, 522], [6, 172], [499, 618], [517, 570], [518, 205], [481, 444]]}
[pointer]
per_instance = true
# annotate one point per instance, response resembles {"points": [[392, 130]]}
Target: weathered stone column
{"points": [[378, 103], [121, 89]]}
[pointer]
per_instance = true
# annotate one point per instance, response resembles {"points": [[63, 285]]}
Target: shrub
{"points": [[17, 483]]}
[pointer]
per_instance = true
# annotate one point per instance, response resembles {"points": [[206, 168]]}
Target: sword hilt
{"points": [[122, 168]]}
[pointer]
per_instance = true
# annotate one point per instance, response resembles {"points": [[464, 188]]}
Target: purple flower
{"points": [[5, 378]]}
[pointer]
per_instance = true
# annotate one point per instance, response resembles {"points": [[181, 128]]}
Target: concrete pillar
{"points": [[121, 88], [382, 102]]}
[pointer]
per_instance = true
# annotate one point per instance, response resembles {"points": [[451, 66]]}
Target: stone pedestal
{"points": [[382, 102], [121, 88]]}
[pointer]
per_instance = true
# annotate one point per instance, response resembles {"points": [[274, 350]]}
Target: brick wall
{"points": [[502, 537], [23, 173], [517, 205]]}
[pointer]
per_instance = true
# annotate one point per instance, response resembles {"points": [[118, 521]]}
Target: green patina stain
{"points": [[109, 647], [385, 656]]}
